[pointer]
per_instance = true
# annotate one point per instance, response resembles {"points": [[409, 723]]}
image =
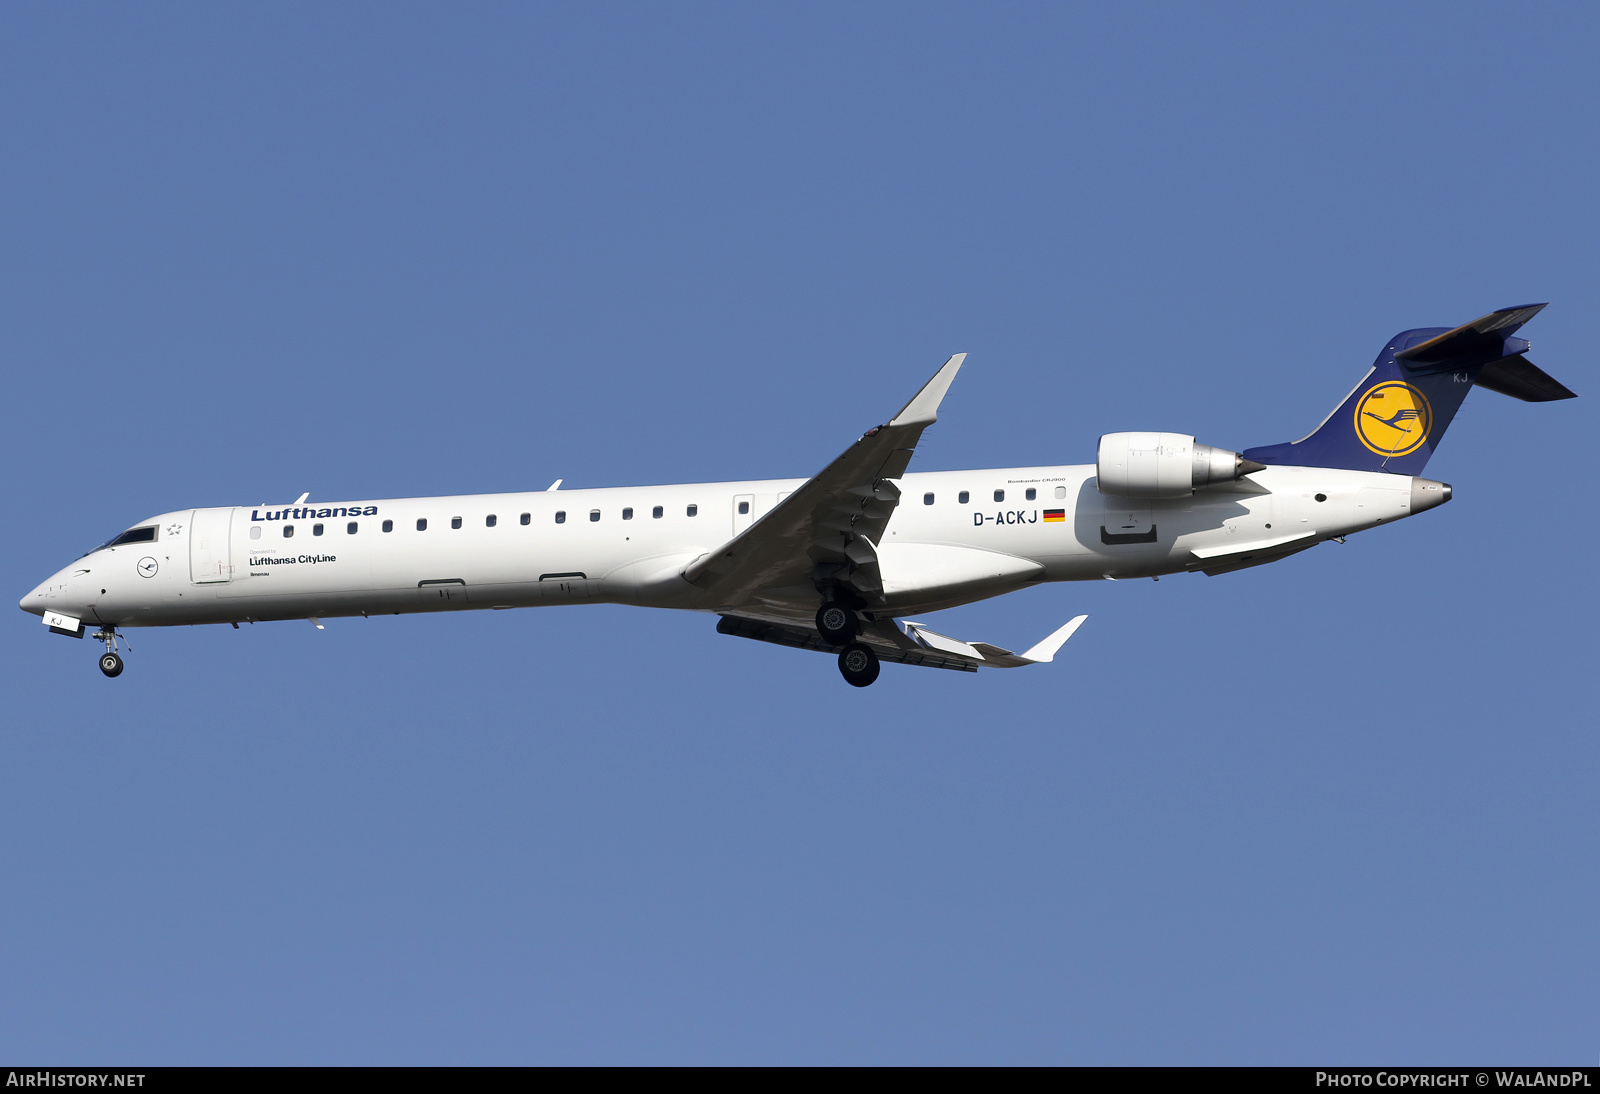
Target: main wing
{"points": [[827, 530], [914, 645]]}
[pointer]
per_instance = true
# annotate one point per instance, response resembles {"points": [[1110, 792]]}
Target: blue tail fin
{"points": [[1396, 416]]}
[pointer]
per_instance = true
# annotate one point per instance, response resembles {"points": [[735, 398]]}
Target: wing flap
{"points": [[916, 645], [796, 637]]}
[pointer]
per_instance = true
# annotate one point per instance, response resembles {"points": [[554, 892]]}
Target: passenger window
{"points": [[594, 515], [693, 510], [255, 531], [388, 526], [316, 529], [455, 522], [350, 529], [656, 512], [627, 514], [999, 495], [744, 508], [422, 524], [561, 516], [963, 497], [1061, 492], [288, 531], [927, 499], [1031, 494], [527, 518], [490, 521]]}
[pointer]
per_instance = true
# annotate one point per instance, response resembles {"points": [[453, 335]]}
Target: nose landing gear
{"points": [[110, 661]]}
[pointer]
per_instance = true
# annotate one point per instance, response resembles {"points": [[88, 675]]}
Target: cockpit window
{"points": [[135, 535], [132, 535]]}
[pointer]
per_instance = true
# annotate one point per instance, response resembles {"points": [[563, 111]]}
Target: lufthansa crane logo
{"points": [[1393, 418]]}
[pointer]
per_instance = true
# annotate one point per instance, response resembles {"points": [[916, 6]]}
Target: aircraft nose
{"points": [[53, 594], [33, 603]]}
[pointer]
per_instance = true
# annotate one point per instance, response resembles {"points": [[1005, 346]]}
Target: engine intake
{"points": [[1164, 465]]}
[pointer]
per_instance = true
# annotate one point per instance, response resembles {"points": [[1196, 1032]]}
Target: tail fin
{"points": [[1396, 416]]}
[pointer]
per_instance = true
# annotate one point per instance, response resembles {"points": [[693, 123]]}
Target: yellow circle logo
{"points": [[1393, 418]]}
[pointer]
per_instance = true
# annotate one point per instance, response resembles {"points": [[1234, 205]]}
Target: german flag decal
{"points": [[1055, 516]]}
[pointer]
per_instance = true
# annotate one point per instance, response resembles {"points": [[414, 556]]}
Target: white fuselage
{"points": [[312, 560]]}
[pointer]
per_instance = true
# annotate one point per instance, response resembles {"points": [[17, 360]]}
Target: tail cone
{"points": [[1426, 494]]}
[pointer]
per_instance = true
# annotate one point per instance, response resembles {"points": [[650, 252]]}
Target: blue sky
{"points": [[1337, 810]]}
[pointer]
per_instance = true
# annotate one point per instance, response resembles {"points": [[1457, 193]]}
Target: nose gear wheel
{"points": [[110, 661]]}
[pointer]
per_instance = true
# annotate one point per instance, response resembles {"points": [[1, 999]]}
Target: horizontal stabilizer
{"points": [[1472, 340], [1520, 378], [1394, 418]]}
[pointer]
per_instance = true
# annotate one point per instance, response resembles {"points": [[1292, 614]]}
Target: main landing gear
{"points": [[110, 661], [837, 624], [858, 664]]}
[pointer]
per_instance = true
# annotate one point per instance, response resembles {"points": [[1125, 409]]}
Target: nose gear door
{"points": [[210, 559]]}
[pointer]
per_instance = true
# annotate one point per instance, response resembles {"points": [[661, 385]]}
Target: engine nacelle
{"points": [[1164, 465]]}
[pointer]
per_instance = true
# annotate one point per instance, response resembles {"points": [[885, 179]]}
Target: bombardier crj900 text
{"points": [[831, 563]]}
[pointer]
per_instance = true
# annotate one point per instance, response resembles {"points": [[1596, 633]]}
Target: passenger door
{"points": [[210, 559]]}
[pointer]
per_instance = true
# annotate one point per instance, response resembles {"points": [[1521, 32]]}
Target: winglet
{"points": [[923, 409], [1045, 651]]}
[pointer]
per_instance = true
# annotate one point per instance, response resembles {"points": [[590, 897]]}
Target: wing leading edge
{"points": [[827, 531]]}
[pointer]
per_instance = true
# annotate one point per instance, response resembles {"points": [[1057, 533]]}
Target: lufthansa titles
{"points": [[290, 560]]}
